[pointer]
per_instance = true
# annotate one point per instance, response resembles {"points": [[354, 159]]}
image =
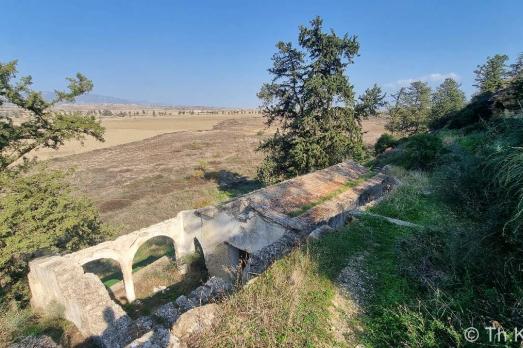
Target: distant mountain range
{"points": [[98, 99]]}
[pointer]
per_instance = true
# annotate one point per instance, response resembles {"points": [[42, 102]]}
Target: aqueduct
{"points": [[263, 224]]}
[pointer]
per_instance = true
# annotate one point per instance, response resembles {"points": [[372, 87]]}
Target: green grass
{"points": [[346, 186], [285, 307], [399, 309], [256, 316], [110, 273], [16, 323], [392, 318]]}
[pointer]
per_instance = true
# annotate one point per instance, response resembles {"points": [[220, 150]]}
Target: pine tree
{"points": [[410, 112], [312, 103], [370, 102], [44, 126], [490, 76], [447, 99], [516, 69]]}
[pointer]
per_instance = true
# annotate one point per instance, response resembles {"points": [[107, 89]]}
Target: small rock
{"points": [[157, 338], [201, 295], [184, 303], [320, 232], [167, 312], [159, 288], [35, 342], [141, 325], [195, 321], [218, 286]]}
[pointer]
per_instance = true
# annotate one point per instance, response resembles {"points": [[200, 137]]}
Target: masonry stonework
{"points": [[260, 224]]}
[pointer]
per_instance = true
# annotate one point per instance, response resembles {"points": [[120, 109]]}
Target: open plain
{"points": [[150, 168]]}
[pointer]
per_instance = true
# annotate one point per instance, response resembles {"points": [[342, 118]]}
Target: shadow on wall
{"points": [[109, 272]]}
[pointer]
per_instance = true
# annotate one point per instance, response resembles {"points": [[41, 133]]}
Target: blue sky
{"points": [[217, 52]]}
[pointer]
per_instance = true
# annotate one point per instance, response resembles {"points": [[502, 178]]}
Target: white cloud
{"points": [[430, 78]]}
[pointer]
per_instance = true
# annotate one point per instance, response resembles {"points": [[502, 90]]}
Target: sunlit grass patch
{"points": [[286, 306]]}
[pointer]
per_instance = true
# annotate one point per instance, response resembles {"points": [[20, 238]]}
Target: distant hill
{"points": [[96, 99], [103, 99]]}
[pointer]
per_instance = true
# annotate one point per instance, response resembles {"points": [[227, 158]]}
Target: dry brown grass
{"points": [[287, 306], [125, 130], [144, 182], [137, 184]]}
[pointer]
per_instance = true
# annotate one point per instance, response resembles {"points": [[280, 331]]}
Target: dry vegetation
{"points": [[281, 308], [207, 159], [125, 130]]}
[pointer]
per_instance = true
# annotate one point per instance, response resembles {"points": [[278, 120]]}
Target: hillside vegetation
{"points": [[462, 176], [457, 264]]}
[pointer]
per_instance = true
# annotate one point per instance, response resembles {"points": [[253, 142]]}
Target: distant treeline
{"points": [[108, 112]]}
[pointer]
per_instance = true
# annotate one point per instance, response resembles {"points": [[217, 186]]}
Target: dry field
{"points": [[189, 162], [125, 130]]}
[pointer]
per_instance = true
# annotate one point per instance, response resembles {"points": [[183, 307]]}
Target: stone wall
{"points": [[260, 224]]}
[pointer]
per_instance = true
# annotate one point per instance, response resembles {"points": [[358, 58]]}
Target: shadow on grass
{"points": [[196, 275], [232, 183], [116, 274]]}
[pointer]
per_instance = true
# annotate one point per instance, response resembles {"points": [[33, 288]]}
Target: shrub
{"points": [[506, 170], [478, 109], [510, 99], [384, 142], [420, 151], [40, 214]]}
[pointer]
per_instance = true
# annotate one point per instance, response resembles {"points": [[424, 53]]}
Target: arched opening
{"points": [[238, 260], [159, 276], [110, 273]]}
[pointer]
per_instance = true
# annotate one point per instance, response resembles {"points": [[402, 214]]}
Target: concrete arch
{"points": [[198, 247], [141, 241], [115, 267], [101, 254], [127, 260]]}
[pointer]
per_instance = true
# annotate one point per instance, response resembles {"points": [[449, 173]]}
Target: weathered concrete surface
{"points": [[333, 213], [256, 225]]}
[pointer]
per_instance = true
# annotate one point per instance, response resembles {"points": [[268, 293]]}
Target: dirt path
{"points": [[353, 289]]}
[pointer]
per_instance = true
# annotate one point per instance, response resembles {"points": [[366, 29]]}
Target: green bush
{"points": [[420, 151], [384, 142], [40, 214], [479, 109]]}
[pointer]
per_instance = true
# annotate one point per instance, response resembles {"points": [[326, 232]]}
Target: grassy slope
{"points": [[424, 286], [262, 315]]}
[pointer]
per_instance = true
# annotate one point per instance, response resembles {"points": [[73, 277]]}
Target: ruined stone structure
{"points": [[252, 230]]}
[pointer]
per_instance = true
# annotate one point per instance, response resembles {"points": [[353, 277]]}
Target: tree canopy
{"points": [[447, 99], [39, 211], [311, 101], [490, 76], [42, 126], [516, 69], [410, 111]]}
